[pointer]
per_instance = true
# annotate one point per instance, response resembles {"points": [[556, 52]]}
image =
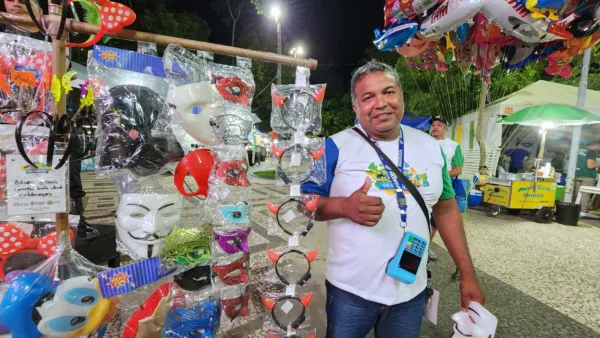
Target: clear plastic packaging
{"points": [[291, 266], [34, 240], [292, 216], [130, 108], [25, 75], [304, 333], [187, 247], [235, 302], [231, 270], [228, 180], [297, 108], [230, 241], [286, 312], [235, 86], [228, 213], [301, 160], [76, 307], [194, 314], [148, 212]]}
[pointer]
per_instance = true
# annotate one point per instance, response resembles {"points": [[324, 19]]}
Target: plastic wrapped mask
{"points": [[143, 221], [194, 107]]}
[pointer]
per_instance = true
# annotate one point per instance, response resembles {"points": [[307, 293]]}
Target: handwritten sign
{"points": [[34, 190]]}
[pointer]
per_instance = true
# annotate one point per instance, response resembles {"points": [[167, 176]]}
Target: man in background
{"points": [[518, 157], [586, 171], [454, 159]]}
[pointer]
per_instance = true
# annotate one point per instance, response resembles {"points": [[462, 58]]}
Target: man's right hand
{"points": [[362, 209]]}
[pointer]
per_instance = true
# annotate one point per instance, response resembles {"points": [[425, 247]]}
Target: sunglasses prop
{"points": [[233, 173], [149, 319], [200, 321], [276, 258], [297, 152], [231, 129], [235, 213], [19, 251], [234, 241], [199, 163], [237, 307], [300, 109], [225, 272], [33, 306], [284, 305], [306, 206]]}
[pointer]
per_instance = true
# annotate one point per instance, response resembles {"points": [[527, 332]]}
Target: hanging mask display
{"points": [[187, 247], [233, 241], [149, 319], [235, 86], [233, 273], [238, 306], [293, 266], [233, 173], [231, 129], [194, 279], [199, 321], [144, 220], [127, 119], [194, 105], [287, 311], [297, 108], [199, 163], [235, 213], [234, 90], [295, 216]]}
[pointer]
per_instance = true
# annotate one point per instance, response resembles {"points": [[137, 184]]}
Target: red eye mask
{"points": [[224, 271], [146, 310], [14, 241], [233, 89], [233, 173], [237, 307], [199, 164]]}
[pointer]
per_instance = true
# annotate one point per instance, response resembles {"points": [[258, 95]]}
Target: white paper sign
{"points": [[295, 190], [287, 307], [431, 307], [296, 160], [293, 241], [290, 290], [33, 190], [289, 216]]}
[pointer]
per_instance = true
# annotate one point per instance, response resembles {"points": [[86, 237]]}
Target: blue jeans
{"points": [[350, 316]]}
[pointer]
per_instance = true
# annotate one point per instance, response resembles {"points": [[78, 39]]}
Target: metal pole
{"points": [[163, 40], [278, 51], [575, 140]]}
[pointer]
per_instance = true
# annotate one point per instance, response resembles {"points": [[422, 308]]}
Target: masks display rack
{"points": [[156, 115], [296, 117]]}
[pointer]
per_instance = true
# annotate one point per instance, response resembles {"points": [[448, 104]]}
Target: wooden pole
{"points": [[478, 136], [59, 65], [127, 34]]}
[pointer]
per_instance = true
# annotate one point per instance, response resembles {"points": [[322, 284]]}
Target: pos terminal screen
{"points": [[409, 262]]}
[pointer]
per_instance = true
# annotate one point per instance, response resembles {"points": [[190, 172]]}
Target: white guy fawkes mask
{"points": [[144, 220]]}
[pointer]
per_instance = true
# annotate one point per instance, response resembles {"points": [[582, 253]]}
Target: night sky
{"points": [[335, 32]]}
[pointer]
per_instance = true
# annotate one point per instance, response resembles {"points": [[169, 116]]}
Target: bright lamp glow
{"points": [[547, 124], [275, 11], [300, 50]]}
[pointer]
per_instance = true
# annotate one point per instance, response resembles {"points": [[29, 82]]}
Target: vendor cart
{"points": [[518, 192]]}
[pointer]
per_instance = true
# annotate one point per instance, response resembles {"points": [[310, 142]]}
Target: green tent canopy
{"points": [[550, 115]]}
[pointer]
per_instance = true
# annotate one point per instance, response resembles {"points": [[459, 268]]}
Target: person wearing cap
{"points": [[454, 159], [362, 202], [586, 171]]}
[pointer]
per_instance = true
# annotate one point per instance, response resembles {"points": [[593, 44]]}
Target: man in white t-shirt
{"points": [[364, 228], [454, 159]]}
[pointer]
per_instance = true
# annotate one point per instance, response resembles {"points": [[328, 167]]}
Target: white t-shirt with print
{"points": [[449, 147], [358, 255]]}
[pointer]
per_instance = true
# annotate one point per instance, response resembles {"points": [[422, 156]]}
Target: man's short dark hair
{"points": [[591, 143], [483, 167], [371, 67]]}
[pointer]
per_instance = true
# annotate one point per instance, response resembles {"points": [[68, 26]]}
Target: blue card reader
{"points": [[405, 264]]}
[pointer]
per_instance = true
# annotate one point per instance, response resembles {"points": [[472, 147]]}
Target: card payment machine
{"points": [[405, 265]]}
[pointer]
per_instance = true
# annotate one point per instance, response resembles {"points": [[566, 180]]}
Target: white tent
{"points": [[539, 93]]}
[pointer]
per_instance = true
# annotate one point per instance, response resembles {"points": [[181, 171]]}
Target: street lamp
{"points": [[297, 51], [276, 14]]}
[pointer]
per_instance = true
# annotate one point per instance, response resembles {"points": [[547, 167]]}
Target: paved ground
{"points": [[539, 280]]}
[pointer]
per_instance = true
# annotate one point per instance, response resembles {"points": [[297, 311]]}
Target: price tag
{"points": [[293, 241], [290, 290], [287, 307], [289, 216], [299, 137], [295, 190], [296, 160], [33, 190]]}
